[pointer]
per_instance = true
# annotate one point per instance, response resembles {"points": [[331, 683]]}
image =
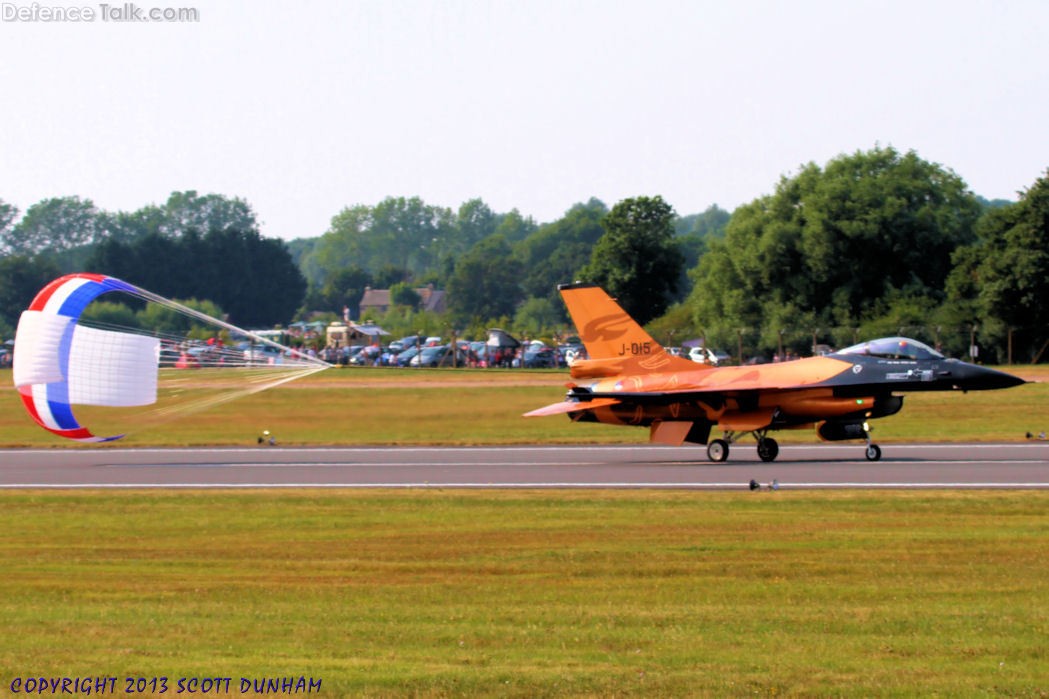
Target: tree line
{"points": [[874, 242], [871, 242], [203, 248]]}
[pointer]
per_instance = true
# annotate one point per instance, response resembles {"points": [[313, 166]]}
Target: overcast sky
{"points": [[303, 108]]}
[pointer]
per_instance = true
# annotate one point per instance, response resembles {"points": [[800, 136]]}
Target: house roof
{"points": [[375, 297], [369, 330], [433, 300]]}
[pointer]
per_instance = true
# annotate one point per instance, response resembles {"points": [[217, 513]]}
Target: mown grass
{"points": [[365, 406], [427, 593]]}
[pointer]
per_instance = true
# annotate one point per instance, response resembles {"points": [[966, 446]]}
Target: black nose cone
{"points": [[971, 377]]}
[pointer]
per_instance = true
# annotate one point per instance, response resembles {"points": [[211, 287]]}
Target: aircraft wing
{"points": [[572, 406]]}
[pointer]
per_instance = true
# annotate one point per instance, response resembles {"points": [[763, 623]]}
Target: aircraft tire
{"points": [[768, 449], [873, 452], [717, 450]]}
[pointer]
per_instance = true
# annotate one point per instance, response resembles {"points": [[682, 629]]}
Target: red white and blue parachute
{"points": [[61, 362]]}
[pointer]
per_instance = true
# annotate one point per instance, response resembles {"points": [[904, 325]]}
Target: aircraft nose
{"points": [[971, 377]]}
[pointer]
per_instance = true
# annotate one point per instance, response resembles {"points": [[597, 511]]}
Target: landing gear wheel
{"points": [[873, 452], [768, 449], [717, 450]]}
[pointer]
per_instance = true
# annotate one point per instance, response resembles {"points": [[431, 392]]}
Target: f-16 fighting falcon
{"points": [[629, 379]]}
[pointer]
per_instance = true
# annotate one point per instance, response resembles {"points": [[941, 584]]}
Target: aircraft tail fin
{"points": [[614, 342]]}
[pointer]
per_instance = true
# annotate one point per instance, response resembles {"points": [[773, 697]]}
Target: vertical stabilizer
{"points": [[612, 337]]}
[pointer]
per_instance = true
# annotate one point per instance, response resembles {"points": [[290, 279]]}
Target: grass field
{"points": [[545, 593], [432, 593], [382, 406]]}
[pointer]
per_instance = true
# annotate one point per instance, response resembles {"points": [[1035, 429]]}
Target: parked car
{"points": [[536, 357], [366, 355], [405, 357], [433, 356], [479, 349], [703, 356]]}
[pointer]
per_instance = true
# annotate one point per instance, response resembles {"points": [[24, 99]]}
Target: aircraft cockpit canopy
{"points": [[894, 348]]}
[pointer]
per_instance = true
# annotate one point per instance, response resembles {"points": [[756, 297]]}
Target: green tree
{"points": [[252, 278], [153, 261], [1003, 278], [21, 278], [637, 260], [514, 227], [389, 275], [56, 225], [8, 214], [110, 314], [408, 233], [133, 225], [711, 222], [674, 327], [403, 232], [345, 245], [185, 211], [474, 222], [168, 321], [556, 252], [485, 283], [537, 316], [402, 294], [344, 289], [832, 245], [300, 248]]}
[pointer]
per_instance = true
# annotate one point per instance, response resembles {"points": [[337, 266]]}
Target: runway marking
{"points": [[537, 486], [359, 464], [565, 447], [654, 464]]}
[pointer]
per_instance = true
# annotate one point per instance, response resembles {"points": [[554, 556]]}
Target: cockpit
{"points": [[893, 348]]}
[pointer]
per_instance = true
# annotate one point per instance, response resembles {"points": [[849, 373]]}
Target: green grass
{"points": [[367, 406], [534, 593], [437, 593]]}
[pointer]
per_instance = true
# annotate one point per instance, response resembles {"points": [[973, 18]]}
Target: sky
{"points": [[305, 108]]}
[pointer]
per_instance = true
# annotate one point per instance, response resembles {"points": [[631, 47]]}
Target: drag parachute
{"points": [[63, 359]]}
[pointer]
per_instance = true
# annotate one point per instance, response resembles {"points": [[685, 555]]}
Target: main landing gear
{"points": [[768, 449]]}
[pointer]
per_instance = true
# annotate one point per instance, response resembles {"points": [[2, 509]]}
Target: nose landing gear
{"points": [[873, 451]]}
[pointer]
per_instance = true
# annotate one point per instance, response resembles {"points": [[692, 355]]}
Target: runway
{"points": [[1017, 465]]}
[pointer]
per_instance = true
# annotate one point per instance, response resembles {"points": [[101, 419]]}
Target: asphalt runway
{"points": [[1017, 465]]}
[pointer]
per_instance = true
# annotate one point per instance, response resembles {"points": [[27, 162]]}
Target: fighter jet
{"points": [[629, 379]]}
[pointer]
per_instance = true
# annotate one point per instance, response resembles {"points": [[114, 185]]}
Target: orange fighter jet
{"points": [[629, 379]]}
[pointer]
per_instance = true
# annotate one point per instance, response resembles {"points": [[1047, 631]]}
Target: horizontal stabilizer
{"points": [[572, 406]]}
